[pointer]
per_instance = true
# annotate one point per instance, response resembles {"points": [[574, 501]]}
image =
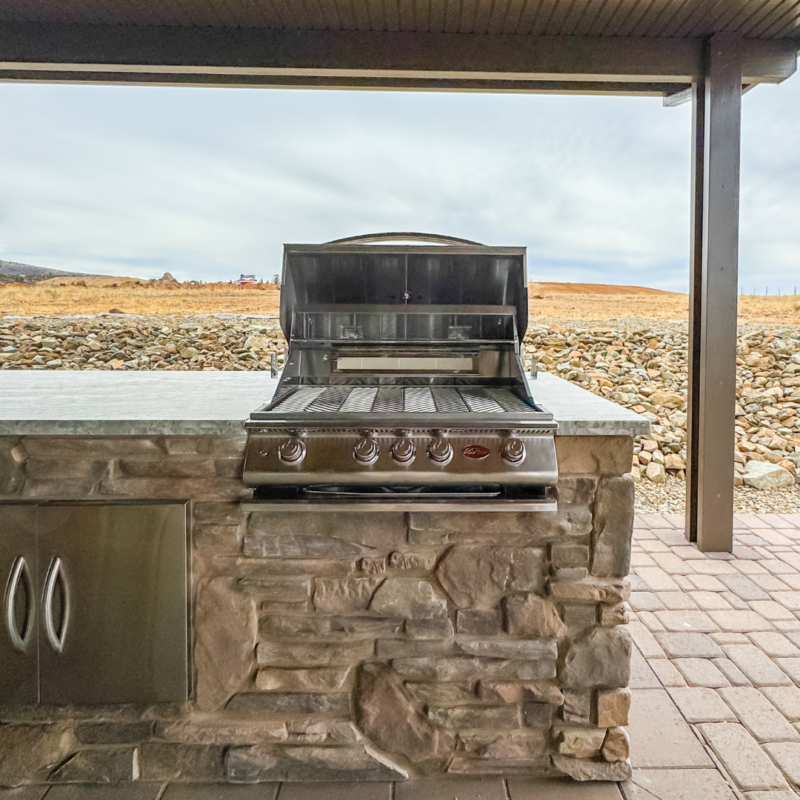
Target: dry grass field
{"points": [[548, 301], [149, 298], [648, 304]]}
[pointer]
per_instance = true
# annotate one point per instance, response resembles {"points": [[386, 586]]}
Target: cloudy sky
{"points": [[209, 183]]}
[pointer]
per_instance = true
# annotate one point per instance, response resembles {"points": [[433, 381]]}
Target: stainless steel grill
{"points": [[403, 385]]}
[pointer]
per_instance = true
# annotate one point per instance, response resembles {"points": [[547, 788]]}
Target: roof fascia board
{"points": [[633, 89], [373, 55]]}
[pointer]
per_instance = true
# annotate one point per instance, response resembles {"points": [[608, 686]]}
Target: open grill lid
{"points": [[354, 272]]}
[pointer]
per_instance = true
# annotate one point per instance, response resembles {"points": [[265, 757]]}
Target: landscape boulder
{"points": [[763, 475]]}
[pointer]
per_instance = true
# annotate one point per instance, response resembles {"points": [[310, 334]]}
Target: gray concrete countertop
{"points": [[581, 413], [45, 403]]}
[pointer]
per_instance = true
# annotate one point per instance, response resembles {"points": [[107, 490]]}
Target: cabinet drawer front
{"points": [[114, 617]]}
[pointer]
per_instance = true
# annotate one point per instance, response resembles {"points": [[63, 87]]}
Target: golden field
{"points": [[668, 306], [149, 298], [589, 302]]}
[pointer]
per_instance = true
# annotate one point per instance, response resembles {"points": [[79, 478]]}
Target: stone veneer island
{"points": [[338, 646]]}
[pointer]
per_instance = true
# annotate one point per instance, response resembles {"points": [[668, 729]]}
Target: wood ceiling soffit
{"points": [[646, 18]]}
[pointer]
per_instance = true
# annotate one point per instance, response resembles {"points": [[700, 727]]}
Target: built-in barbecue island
{"points": [[168, 618]]}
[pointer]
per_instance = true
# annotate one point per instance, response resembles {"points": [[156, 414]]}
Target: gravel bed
{"points": [[670, 498], [639, 363], [643, 365]]}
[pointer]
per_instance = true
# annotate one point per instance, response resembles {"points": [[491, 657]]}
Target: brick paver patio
{"points": [[716, 662], [715, 676]]}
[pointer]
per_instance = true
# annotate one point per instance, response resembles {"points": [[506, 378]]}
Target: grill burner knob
{"points": [[513, 451], [292, 451], [440, 451], [403, 451], [366, 451]]}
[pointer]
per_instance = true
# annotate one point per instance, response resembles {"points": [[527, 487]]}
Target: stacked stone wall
{"points": [[367, 646]]}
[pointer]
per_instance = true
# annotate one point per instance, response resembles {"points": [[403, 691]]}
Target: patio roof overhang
{"points": [[706, 51], [230, 56]]}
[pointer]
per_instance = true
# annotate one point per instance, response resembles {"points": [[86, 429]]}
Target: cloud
{"points": [[208, 183]]}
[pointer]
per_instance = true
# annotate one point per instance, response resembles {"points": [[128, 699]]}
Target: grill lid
{"points": [[350, 272]]}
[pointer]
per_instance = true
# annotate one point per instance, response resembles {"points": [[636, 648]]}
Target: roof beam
{"points": [[677, 97], [160, 54], [633, 89]]}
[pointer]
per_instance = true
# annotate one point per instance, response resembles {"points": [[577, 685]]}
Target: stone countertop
{"points": [[52, 403], [581, 413]]}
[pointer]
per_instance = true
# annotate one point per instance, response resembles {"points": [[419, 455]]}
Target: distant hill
{"points": [[13, 272], [549, 289]]}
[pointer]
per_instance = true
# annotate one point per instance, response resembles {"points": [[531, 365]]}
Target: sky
{"points": [[209, 183]]}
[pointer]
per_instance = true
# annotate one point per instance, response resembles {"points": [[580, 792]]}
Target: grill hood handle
{"points": [[403, 236]]}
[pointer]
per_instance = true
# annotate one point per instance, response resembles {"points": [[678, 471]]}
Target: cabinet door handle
{"points": [[56, 571], [19, 572]]}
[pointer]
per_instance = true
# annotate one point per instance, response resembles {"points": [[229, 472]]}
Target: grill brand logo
{"points": [[476, 451]]}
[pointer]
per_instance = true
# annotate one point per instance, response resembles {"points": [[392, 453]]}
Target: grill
{"points": [[403, 385]]}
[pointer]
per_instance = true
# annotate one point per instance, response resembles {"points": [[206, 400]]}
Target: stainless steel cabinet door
{"points": [[113, 624], [19, 679]]}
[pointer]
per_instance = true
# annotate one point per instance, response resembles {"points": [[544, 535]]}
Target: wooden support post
{"points": [[713, 298]]}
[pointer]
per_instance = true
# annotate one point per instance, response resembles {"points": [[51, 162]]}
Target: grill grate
{"points": [[395, 399], [509, 401], [449, 401], [419, 400], [360, 399], [388, 401], [478, 401], [330, 400], [300, 399]]}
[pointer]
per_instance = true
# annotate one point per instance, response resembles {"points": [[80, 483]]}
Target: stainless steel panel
{"points": [[437, 506], [115, 619], [538, 420], [329, 459], [19, 677]]}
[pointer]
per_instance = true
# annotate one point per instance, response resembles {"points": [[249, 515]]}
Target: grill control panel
{"points": [[298, 456]]}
